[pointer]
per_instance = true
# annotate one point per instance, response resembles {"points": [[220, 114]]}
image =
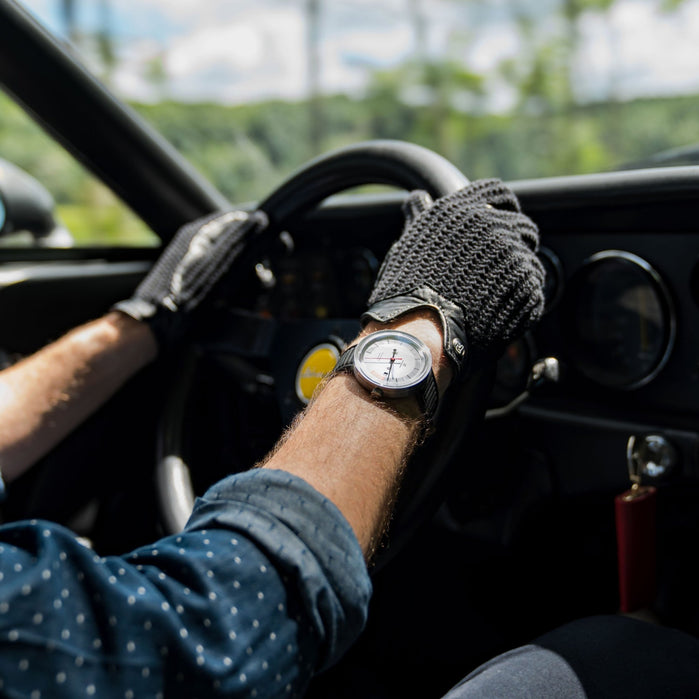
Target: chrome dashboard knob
{"points": [[651, 456]]}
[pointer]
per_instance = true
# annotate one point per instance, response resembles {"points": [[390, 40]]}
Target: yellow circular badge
{"points": [[316, 365]]}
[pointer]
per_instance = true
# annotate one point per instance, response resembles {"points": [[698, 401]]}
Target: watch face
{"points": [[392, 361]]}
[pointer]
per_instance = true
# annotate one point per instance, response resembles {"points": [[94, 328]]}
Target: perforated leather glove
{"points": [[470, 256], [196, 258]]}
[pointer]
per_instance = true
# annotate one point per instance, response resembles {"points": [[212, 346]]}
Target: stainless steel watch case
{"points": [[424, 387]]}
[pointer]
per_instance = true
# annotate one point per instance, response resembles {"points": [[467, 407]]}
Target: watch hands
{"points": [[392, 361]]}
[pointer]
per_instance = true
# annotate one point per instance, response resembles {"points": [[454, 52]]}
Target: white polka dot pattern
{"points": [[266, 583]]}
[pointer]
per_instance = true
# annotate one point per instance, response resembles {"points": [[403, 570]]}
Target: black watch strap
{"points": [[427, 393]]}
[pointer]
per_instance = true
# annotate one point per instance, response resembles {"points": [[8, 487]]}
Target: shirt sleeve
{"points": [[265, 585]]}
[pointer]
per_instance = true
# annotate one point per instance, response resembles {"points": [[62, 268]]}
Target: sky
{"points": [[236, 51]]}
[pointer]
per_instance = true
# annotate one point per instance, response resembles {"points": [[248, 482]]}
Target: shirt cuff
{"points": [[309, 541]]}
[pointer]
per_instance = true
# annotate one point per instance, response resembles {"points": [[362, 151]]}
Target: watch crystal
{"points": [[393, 361]]}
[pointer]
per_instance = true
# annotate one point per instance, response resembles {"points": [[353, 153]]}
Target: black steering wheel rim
{"points": [[394, 163], [398, 164]]}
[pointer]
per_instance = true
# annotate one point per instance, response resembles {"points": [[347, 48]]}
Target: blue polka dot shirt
{"points": [[265, 585]]}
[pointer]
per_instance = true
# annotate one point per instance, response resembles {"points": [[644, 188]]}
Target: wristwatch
{"points": [[393, 364]]}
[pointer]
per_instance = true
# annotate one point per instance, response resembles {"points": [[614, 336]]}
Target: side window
{"points": [[37, 175]]}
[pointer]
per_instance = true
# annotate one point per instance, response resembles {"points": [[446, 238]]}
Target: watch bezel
{"points": [[370, 382]]}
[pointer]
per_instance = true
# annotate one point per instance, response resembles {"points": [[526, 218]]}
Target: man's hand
{"points": [[196, 258], [470, 256]]}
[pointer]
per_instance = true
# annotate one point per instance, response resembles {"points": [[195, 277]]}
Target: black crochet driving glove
{"points": [[471, 256], [196, 258]]}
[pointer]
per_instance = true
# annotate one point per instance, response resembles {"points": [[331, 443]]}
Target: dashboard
{"points": [[621, 300], [623, 324], [621, 253], [612, 315]]}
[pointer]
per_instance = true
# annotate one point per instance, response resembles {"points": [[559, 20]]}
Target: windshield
{"points": [[250, 90]]}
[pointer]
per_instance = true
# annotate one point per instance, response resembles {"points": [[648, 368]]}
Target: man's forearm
{"points": [[352, 448], [44, 397]]}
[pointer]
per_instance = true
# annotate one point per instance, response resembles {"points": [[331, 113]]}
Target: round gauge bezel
{"points": [[405, 387], [666, 304]]}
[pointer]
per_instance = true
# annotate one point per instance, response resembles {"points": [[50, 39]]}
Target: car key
{"points": [[635, 513]]}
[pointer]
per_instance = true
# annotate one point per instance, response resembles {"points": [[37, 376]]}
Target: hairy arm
{"points": [[352, 448], [47, 395]]}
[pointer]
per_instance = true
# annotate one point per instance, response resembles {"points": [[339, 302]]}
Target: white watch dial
{"points": [[392, 361]]}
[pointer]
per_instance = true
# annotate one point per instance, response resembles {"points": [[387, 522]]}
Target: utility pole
{"points": [[417, 17], [68, 12], [105, 39], [316, 122]]}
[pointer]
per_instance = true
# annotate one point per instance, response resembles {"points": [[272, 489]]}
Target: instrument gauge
{"points": [[621, 326]]}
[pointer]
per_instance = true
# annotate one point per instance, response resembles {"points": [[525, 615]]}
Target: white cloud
{"points": [[241, 46], [242, 50], [260, 54], [189, 14], [491, 46], [263, 51], [639, 50]]}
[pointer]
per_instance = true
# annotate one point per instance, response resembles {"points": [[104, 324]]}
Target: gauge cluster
{"points": [[621, 327], [619, 317], [622, 308], [622, 318], [318, 284]]}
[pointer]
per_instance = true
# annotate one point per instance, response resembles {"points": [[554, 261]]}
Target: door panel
{"points": [[41, 301]]}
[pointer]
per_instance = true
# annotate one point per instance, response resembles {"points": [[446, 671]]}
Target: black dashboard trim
{"points": [[613, 188]]}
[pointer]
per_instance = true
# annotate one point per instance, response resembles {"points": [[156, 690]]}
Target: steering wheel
{"points": [[398, 164]]}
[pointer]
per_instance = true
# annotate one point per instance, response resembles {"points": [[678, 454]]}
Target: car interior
{"points": [[505, 526]]}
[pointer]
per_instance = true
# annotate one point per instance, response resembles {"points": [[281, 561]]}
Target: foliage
{"points": [[87, 208], [247, 150]]}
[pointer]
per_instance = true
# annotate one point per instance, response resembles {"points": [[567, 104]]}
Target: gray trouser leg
{"points": [[528, 672], [599, 657]]}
